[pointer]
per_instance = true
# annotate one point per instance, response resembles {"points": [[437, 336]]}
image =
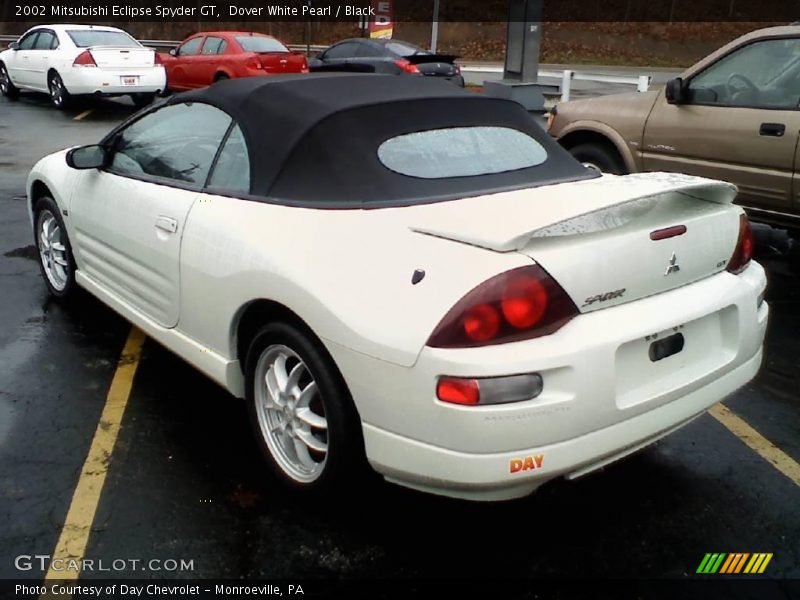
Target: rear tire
{"points": [[59, 96], [600, 157], [142, 100], [220, 77], [7, 87], [56, 261], [301, 411]]}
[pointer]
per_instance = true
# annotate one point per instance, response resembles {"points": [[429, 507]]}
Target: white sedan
{"points": [[65, 61], [403, 274]]}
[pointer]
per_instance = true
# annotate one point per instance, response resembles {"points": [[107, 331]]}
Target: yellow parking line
{"points": [[78, 524], [757, 442], [83, 115]]}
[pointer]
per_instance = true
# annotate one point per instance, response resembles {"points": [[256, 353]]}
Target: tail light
{"points": [[457, 69], [254, 63], [304, 66], [84, 59], [520, 304], [406, 66], [489, 390], [745, 246]]}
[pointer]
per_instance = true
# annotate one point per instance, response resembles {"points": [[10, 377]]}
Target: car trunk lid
{"points": [[606, 241], [109, 57], [282, 62], [434, 64]]}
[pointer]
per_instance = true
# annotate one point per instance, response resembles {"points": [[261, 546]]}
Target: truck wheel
{"points": [[599, 157]]}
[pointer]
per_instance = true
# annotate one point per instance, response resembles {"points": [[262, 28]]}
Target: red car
{"points": [[210, 56]]}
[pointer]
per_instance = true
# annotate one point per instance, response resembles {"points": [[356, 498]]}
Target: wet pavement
{"points": [[186, 480]]}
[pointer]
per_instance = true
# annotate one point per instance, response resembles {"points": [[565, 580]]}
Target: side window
{"points": [[168, 144], [28, 41], [222, 47], [212, 45], [232, 171], [370, 51], [345, 50], [44, 41], [763, 74], [191, 47]]}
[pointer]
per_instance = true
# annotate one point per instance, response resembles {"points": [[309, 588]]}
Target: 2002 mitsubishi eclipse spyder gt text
{"points": [[404, 274]]}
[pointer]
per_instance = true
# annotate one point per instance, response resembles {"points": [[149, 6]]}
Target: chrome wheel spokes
{"points": [[52, 251], [291, 414]]}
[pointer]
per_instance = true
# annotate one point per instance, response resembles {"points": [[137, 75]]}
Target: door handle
{"points": [[772, 129], [167, 224]]}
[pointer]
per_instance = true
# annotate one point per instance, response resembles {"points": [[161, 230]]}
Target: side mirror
{"points": [[88, 157], [173, 52], [13, 46], [675, 91]]}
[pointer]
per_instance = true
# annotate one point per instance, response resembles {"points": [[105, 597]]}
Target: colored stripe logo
{"points": [[734, 563]]}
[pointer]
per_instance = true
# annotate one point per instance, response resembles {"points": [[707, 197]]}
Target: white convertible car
{"points": [[65, 61], [404, 274]]}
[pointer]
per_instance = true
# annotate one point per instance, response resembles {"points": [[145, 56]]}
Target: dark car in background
{"points": [[206, 57], [387, 56]]}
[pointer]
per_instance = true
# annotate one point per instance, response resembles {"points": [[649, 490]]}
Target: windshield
{"points": [[93, 37], [260, 44], [461, 152]]}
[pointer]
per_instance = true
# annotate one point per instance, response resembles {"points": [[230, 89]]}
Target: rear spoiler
{"points": [[562, 209]]}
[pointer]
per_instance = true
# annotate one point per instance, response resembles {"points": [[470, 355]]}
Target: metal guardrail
{"points": [[642, 82]]}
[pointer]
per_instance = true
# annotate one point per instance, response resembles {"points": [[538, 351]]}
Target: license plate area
{"points": [[653, 368], [669, 346], [130, 80]]}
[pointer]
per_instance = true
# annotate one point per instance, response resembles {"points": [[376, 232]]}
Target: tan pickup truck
{"points": [[735, 116]]}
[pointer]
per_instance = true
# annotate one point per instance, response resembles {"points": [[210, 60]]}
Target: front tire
{"points": [[55, 252], [301, 411], [7, 87], [59, 96], [599, 157]]}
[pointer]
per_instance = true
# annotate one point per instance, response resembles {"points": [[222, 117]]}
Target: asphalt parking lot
{"points": [[185, 481]]}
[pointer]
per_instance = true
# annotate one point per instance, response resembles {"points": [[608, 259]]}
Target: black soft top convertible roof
{"points": [[313, 138]]}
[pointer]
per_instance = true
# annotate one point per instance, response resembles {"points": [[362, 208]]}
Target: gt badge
{"points": [[526, 464], [673, 267]]}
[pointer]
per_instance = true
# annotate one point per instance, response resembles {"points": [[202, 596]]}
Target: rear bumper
{"points": [[489, 477], [92, 80], [603, 395]]}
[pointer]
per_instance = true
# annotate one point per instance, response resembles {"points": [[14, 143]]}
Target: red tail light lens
{"points": [[458, 391], [745, 246], [516, 305], [84, 59], [406, 66], [254, 63]]}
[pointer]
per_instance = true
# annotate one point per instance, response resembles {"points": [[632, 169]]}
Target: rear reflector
{"points": [[489, 390], [669, 232]]}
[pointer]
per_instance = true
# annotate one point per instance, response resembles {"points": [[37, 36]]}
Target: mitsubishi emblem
{"points": [[673, 267]]}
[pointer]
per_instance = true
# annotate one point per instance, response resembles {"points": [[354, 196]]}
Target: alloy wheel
{"points": [[52, 251], [291, 413]]}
